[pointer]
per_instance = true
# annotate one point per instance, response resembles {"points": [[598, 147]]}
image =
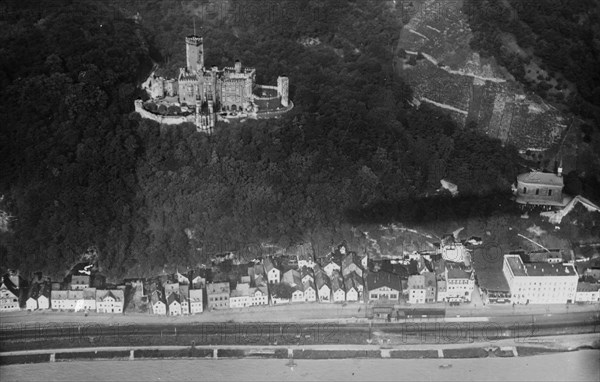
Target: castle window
{"points": [[549, 192], [524, 190], [537, 191]]}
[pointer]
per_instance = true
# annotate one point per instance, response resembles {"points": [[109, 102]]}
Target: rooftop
{"points": [[538, 269], [588, 287], [380, 279], [544, 178]]}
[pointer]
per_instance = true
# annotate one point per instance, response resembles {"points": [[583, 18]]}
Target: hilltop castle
{"points": [[204, 95]]}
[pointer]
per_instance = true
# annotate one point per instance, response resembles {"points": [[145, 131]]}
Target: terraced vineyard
{"points": [[444, 71]]}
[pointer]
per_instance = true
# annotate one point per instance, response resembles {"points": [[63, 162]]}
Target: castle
{"points": [[209, 94]]}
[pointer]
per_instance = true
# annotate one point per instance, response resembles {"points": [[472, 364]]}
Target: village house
{"points": [[184, 293], [539, 188], [170, 287], [351, 263], [416, 289], [196, 301], [110, 301], [307, 274], [89, 299], [240, 296], [182, 279], [358, 284], [67, 299], [80, 282], [323, 285], [259, 295], [337, 287], [217, 295], [540, 283], [292, 278], [587, 292], [310, 292], [158, 303], [174, 304], [298, 293], [350, 288], [305, 259], [441, 291], [331, 266], [383, 286], [460, 283], [272, 272]]}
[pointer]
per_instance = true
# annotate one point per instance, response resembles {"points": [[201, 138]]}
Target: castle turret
{"points": [[195, 53], [238, 66], [283, 84]]}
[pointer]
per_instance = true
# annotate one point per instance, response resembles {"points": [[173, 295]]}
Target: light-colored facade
{"points": [[540, 283], [272, 272], [217, 295], [196, 301], [310, 293], [416, 289], [538, 188], [384, 286], [80, 282], [460, 284], [588, 292], [110, 301], [240, 296], [260, 296]]}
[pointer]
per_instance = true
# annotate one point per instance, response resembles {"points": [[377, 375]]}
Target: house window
{"points": [[524, 190], [373, 295], [549, 192], [537, 191]]}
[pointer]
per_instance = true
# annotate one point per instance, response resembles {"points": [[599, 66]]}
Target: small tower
{"points": [[238, 66], [195, 53], [283, 84], [559, 170]]}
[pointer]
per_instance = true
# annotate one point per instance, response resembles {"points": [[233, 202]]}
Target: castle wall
{"points": [[162, 119]]}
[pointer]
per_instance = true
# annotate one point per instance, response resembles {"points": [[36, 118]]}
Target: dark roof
{"points": [[588, 287], [172, 297], [321, 279], [380, 279]]}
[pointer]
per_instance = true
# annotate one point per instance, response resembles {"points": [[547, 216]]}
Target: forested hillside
{"points": [[552, 47], [80, 169]]}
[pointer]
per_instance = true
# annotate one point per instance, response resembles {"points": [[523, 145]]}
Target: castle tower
{"points": [[238, 66], [194, 48], [283, 85]]}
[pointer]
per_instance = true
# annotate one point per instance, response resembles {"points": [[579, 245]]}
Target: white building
{"points": [[540, 283], [196, 301], [310, 292], [174, 304], [272, 272], [460, 283], [588, 292], [331, 267], [298, 294], [110, 301], [89, 299], [416, 289], [159, 306], [240, 296], [259, 295], [384, 286]]}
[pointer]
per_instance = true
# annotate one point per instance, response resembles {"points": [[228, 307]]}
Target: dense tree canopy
{"points": [[81, 169]]}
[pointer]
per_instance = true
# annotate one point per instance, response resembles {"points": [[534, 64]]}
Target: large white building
{"points": [[540, 283], [460, 283]]}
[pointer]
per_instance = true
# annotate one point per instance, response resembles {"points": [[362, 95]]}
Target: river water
{"points": [[573, 366]]}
